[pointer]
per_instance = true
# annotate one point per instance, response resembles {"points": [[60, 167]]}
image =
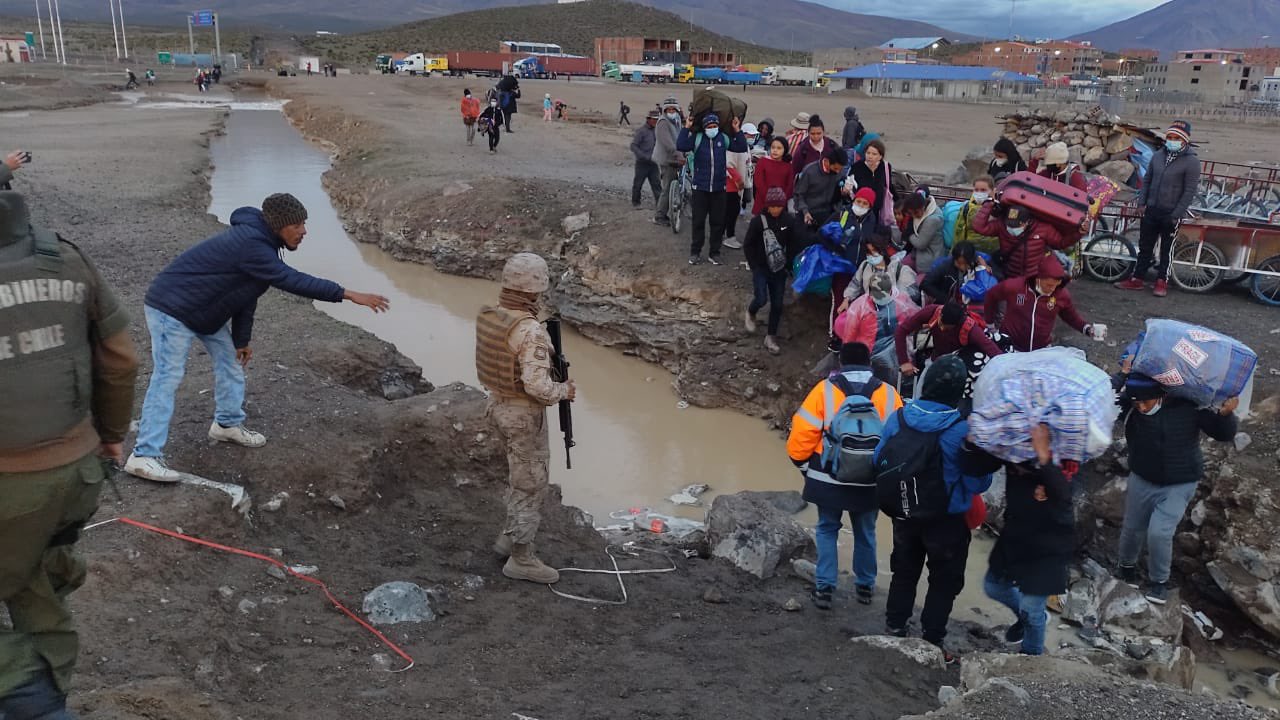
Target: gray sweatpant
{"points": [[669, 175], [1151, 514]]}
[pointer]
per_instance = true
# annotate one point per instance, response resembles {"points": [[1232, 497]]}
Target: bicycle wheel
{"points": [[1264, 287], [1109, 257], [1196, 279], [676, 210]]}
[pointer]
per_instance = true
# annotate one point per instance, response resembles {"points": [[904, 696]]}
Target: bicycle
{"points": [[681, 192]]}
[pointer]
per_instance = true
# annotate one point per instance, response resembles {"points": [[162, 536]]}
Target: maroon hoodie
{"points": [[1028, 317]]}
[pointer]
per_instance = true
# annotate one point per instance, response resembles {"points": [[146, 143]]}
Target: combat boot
{"points": [[502, 546], [522, 565]]}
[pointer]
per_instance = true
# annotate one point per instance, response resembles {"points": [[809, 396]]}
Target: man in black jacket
{"points": [[1031, 558], [210, 293], [1169, 188], [1165, 465]]}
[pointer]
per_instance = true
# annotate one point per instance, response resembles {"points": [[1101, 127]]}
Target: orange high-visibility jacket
{"points": [[807, 425]]}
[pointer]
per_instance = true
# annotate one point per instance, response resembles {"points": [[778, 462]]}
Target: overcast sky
{"points": [[990, 18]]}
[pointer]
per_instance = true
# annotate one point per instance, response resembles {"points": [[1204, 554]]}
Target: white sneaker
{"points": [[151, 468], [748, 320], [733, 243], [238, 435]]}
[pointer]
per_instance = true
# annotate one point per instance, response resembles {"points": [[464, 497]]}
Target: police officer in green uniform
{"points": [[67, 371]]}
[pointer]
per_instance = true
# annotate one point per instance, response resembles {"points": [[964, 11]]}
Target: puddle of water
{"points": [[195, 101], [635, 446]]}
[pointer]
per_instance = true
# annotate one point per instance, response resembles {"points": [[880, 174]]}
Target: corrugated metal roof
{"points": [[897, 71], [911, 43]]}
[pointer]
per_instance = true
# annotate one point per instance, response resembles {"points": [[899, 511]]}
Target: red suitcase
{"points": [[1050, 200]]}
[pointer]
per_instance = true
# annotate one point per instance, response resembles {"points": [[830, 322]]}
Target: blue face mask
{"points": [[1016, 231], [712, 132], [1174, 145]]}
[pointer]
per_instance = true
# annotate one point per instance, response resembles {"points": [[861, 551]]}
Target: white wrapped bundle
{"points": [[1055, 386]]}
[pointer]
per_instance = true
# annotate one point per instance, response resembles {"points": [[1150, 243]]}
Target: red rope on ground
{"points": [[282, 566]]}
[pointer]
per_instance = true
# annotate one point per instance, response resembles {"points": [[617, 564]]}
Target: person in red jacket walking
{"points": [[950, 326], [1026, 308], [1024, 239]]}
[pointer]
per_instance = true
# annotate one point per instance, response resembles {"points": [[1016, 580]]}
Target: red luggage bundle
{"points": [[1047, 199]]}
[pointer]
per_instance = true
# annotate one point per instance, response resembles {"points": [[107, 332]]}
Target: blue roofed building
{"points": [[937, 82]]}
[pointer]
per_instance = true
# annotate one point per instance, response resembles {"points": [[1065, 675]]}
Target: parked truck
{"points": [[548, 66], [737, 77], [631, 73], [382, 64], [790, 75], [423, 64], [708, 75]]}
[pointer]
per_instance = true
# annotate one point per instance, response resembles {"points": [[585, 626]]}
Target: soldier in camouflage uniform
{"points": [[67, 369], [513, 361]]}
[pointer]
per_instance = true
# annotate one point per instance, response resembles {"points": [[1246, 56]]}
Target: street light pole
{"points": [[123, 36], [114, 34], [40, 24], [53, 32], [62, 39]]}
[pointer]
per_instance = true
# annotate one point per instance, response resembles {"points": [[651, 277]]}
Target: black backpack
{"points": [[910, 484]]}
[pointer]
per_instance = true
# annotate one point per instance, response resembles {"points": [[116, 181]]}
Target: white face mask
{"points": [[859, 211], [875, 259], [713, 132], [1154, 409], [981, 197], [673, 116], [1000, 162], [1016, 231], [493, 103]]}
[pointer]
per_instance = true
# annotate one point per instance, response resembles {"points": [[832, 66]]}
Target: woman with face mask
{"points": [[983, 190], [879, 256], [872, 319], [1056, 164], [1006, 160]]}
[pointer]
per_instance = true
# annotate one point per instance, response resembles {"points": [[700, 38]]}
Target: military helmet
{"points": [[526, 272]]}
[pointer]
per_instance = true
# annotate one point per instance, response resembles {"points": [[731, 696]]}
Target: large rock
{"points": [[576, 223], [1091, 141], [1118, 171], [1098, 600], [1164, 663], [398, 602], [753, 534], [1248, 577], [1119, 142], [1240, 518], [1094, 156], [976, 161]]}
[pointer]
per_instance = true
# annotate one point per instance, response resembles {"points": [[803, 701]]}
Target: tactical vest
{"points": [[496, 364], [46, 357]]}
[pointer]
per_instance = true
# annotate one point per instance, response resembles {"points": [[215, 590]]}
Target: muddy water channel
{"points": [[637, 444]]}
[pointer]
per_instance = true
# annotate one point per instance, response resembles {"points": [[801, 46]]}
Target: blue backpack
{"points": [[950, 212], [851, 436]]}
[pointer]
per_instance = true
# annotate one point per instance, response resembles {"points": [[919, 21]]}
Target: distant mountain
{"points": [[783, 24], [573, 26], [1192, 25]]}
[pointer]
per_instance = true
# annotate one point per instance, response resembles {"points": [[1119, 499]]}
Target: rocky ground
{"points": [[408, 490]]}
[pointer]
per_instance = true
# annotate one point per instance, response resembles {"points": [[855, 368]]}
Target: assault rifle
{"points": [[560, 373]]}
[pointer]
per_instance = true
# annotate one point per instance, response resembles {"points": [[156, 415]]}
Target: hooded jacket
{"points": [[805, 155], [1171, 186], [664, 148], [1013, 164], [710, 157], [783, 227], [853, 130], [926, 237], [221, 279], [767, 136], [1022, 254], [816, 192], [933, 417], [1028, 317], [968, 333]]}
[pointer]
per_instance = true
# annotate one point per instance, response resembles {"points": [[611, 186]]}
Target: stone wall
{"points": [[1095, 140]]}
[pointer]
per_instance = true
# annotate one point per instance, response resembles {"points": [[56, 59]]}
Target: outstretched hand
{"points": [[376, 303]]}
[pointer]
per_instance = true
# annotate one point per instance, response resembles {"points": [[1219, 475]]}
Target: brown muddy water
{"points": [[637, 443]]}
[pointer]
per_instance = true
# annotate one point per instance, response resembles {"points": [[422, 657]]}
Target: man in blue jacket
{"points": [[708, 149], [209, 293], [942, 542]]}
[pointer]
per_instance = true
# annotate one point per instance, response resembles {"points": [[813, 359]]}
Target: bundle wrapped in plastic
{"points": [[1055, 386], [1194, 363]]}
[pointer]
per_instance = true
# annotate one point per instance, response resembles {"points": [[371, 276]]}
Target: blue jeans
{"points": [[1030, 609], [864, 547], [170, 344], [768, 289]]}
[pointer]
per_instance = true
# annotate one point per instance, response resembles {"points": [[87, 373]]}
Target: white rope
{"points": [[616, 572]]}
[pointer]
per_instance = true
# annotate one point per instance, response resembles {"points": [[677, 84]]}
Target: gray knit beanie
{"points": [[282, 210]]}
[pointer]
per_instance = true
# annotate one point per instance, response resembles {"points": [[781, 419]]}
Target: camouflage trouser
{"points": [[41, 514], [523, 430]]}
